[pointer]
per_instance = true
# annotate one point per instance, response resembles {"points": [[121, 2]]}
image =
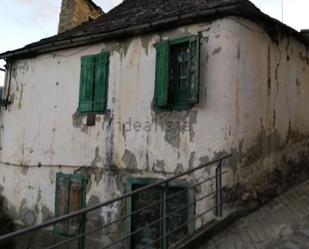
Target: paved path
{"points": [[281, 224]]}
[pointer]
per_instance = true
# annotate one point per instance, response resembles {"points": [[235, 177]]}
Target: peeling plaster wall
{"points": [[253, 103]]}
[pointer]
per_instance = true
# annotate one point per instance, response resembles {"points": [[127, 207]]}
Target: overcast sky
{"points": [[26, 21]]}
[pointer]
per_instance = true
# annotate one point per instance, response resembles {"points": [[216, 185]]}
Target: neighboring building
{"points": [[150, 89]]}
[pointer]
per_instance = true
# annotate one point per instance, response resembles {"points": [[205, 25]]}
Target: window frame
{"points": [[189, 103], [182, 184], [94, 84]]}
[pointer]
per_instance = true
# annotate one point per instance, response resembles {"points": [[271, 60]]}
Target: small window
{"points": [[178, 210], [94, 83], [70, 197], [177, 73]]}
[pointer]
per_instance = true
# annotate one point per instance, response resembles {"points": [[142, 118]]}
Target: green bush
{"points": [[6, 225]]}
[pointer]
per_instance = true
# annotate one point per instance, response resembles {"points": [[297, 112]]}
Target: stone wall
{"points": [[76, 12], [254, 95]]}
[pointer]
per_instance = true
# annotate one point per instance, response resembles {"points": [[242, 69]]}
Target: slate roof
{"points": [[136, 12], [134, 17]]}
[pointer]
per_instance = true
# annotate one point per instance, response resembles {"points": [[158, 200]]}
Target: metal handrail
{"points": [[139, 210], [158, 220], [83, 212], [183, 224]]}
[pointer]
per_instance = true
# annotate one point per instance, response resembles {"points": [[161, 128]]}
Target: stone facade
{"points": [[254, 95], [76, 12]]}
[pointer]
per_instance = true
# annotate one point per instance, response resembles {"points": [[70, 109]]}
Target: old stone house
{"points": [[147, 90]]}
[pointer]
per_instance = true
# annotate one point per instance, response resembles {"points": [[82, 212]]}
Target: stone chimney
{"points": [[76, 12]]}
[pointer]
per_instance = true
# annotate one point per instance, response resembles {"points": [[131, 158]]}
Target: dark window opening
{"points": [[178, 213], [179, 76], [146, 217]]}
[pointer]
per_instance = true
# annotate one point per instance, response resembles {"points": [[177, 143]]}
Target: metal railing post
{"points": [[219, 190], [82, 230], [164, 246]]}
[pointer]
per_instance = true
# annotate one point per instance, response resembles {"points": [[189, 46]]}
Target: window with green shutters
{"points": [[177, 73], [94, 83]]}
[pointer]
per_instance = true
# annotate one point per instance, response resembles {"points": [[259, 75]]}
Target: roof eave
{"points": [[248, 11]]}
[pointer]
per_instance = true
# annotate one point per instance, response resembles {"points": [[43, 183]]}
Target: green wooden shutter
{"points": [[70, 197], [86, 84], [77, 202], [62, 201], [162, 74], [101, 82], [194, 69]]}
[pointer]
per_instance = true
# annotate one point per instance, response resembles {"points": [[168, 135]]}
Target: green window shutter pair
{"points": [[94, 83], [70, 197], [163, 72]]}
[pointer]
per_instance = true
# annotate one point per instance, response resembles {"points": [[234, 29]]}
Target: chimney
{"points": [[76, 12]]}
